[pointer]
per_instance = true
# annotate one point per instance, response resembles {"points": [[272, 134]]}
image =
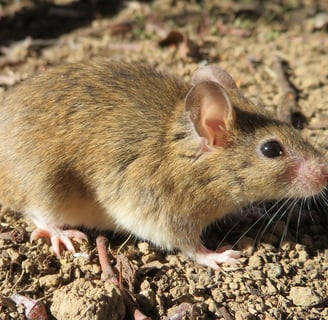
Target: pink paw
{"points": [[212, 259], [59, 237]]}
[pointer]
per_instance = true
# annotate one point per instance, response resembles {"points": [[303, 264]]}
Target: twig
{"points": [[18, 280], [110, 275], [34, 309], [288, 109], [124, 243], [106, 267]]}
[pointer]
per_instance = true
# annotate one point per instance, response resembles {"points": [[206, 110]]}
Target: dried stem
{"points": [[110, 275], [288, 109]]}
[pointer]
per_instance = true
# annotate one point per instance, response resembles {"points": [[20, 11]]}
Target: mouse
{"points": [[112, 145]]}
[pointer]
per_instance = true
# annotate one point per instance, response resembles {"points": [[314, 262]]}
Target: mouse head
{"points": [[266, 158]]}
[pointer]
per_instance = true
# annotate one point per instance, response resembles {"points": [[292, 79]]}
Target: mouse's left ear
{"points": [[211, 112], [216, 74]]}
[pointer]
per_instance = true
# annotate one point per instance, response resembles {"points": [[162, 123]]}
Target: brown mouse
{"points": [[123, 147]]}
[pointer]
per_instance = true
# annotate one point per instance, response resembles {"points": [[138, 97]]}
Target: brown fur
{"points": [[103, 144]]}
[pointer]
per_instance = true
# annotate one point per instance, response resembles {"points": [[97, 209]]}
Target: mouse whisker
{"points": [[261, 217], [290, 211], [231, 229], [273, 217]]}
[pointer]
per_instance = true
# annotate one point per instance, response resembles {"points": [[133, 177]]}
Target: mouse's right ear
{"points": [[211, 112]]}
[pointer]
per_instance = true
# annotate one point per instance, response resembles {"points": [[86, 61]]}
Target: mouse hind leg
{"points": [[58, 221], [71, 211], [62, 203]]}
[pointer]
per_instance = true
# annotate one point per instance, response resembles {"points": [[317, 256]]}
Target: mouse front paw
{"points": [[213, 259], [59, 238]]}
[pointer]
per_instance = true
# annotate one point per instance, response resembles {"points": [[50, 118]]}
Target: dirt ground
{"points": [[284, 269]]}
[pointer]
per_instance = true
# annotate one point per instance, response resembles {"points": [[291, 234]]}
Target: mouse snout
{"points": [[309, 177]]}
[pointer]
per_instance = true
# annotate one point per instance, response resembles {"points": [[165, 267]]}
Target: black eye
{"points": [[271, 149]]}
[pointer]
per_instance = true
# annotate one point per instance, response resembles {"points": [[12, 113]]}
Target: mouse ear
{"points": [[211, 112], [216, 74]]}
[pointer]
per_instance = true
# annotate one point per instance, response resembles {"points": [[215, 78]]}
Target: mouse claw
{"points": [[212, 259], [59, 237]]}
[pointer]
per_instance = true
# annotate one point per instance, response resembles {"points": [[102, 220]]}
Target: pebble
{"points": [[303, 256], [320, 21], [255, 261], [257, 275], [217, 295], [304, 296], [234, 286], [143, 247], [88, 300], [49, 281], [274, 270], [242, 315], [147, 258]]}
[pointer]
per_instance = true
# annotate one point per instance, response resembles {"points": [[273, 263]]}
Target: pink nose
{"points": [[310, 176]]}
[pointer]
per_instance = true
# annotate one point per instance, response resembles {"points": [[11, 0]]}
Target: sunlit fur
{"points": [[109, 145]]}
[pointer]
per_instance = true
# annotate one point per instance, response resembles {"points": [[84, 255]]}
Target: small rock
{"points": [[303, 296], [303, 256], [299, 247], [255, 261], [217, 295], [153, 265], [293, 254], [179, 291], [145, 285], [286, 245], [88, 300], [143, 247], [49, 281], [252, 311], [313, 273], [147, 258], [174, 260], [257, 275], [320, 21], [242, 315], [204, 279], [212, 307], [267, 247], [311, 82], [234, 286], [274, 270]]}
